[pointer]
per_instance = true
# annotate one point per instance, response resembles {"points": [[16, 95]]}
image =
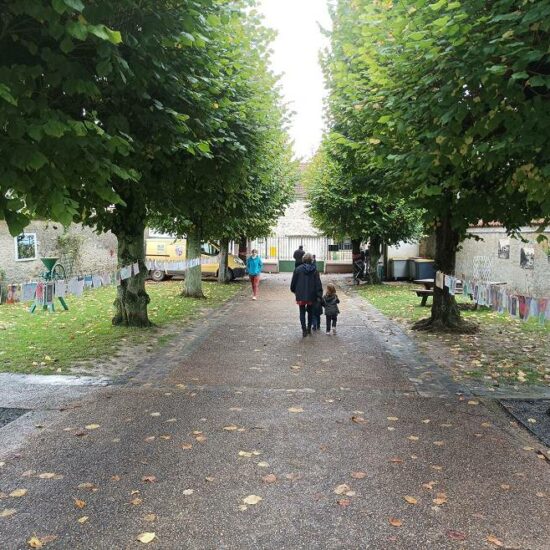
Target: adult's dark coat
{"points": [[298, 255], [306, 283]]}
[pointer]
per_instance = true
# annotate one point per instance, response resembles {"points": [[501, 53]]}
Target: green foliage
{"points": [[246, 180], [346, 205], [451, 99], [51, 141]]}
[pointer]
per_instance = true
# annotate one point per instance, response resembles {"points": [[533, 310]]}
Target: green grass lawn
{"points": [[47, 343], [505, 349]]}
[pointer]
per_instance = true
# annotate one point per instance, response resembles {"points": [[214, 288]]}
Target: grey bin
{"points": [[398, 269]]}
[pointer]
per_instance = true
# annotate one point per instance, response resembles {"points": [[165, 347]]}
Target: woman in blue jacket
{"points": [[254, 266]]}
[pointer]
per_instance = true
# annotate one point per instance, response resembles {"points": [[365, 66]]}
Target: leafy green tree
{"points": [[246, 180], [451, 99], [51, 143], [353, 206]]}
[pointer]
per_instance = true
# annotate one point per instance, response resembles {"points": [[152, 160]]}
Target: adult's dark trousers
{"points": [[303, 310], [331, 321]]}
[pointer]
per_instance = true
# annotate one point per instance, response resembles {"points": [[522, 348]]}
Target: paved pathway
{"points": [[251, 408]]}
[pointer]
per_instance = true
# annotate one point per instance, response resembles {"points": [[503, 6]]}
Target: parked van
{"points": [[168, 249]]}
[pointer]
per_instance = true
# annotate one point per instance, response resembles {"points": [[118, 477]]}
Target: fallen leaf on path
{"points": [[426, 421], [18, 493], [79, 503], [395, 522], [7, 512], [252, 499], [146, 538], [528, 448], [410, 500], [358, 475], [393, 418], [341, 489], [231, 428], [200, 438], [150, 438], [87, 485], [293, 476], [263, 464], [270, 478], [439, 443], [494, 541], [235, 409], [413, 437], [136, 501], [344, 502], [149, 479], [172, 420], [83, 519], [396, 460], [441, 499], [188, 492], [505, 487], [92, 426], [436, 467], [155, 414], [245, 454], [295, 410], [50, 475], [28, 473], [243, 507], [391, 429], [150, 517], [473, 402], [359, 420], [115, 478], [429, 485], [166, 437], [35, 542], [186, 446], [456, 535]]}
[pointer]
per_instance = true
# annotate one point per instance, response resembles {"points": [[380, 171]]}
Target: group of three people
{"points": [[307, 288]]}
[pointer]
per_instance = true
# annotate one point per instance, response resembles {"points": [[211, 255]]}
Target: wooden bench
{"points": [[424, 294]]}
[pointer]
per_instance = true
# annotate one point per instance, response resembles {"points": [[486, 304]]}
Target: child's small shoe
{"points": [[333, 331], [327, 332]]}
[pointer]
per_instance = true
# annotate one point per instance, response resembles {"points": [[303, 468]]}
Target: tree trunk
{"points": [[193, 276], [355, 253], [243, 248], [375, 251], [223, 272], [132, 298], [445, 314]]}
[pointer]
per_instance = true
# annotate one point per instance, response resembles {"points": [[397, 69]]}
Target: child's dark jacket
{"points": [[330, 303]]}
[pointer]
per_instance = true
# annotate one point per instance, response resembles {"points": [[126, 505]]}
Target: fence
{"points": [[282, 248]]}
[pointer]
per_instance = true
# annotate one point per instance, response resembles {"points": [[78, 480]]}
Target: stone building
{"points": [[524, 265], [80, 249]]}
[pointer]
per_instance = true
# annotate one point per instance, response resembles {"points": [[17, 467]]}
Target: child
{"points": [[316, 311], [330, 303], [254, 266]]}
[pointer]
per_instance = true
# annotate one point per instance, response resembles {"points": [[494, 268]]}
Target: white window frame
{"points": [[16, 251]]}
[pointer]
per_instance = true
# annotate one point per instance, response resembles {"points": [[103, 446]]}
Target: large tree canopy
{"points": [[344, 204], [245, 183], [451, 100]]}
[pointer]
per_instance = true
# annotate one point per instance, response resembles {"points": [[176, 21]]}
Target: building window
{"points": [[25, 247]]}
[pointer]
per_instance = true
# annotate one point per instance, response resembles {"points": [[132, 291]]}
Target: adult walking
{"points": [[299, 256], [306, 286], [254, 266]]}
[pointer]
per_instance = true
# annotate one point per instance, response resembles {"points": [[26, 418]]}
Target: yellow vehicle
{"points": [[167, 249]]}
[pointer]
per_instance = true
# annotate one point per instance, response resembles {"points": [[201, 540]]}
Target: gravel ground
{"points": [[351, 441]]}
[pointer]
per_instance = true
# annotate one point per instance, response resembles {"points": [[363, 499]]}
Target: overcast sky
{"points": [[296, 57]]}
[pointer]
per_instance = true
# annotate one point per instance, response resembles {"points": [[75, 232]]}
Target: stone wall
{"points": [[535, 282], [94, 253]]}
